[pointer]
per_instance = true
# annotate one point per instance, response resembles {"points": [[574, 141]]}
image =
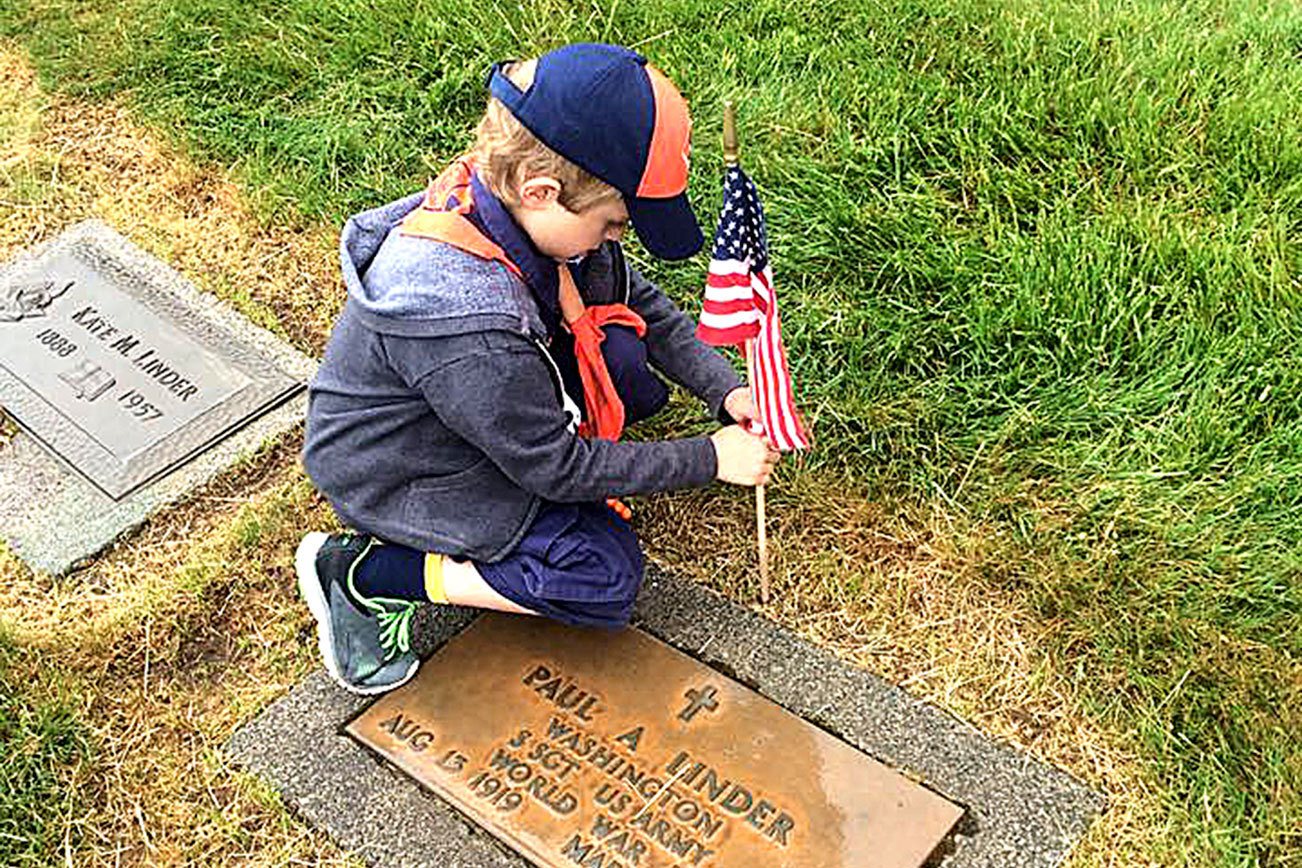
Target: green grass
{"points": [[1038, 260], [41, 745]]}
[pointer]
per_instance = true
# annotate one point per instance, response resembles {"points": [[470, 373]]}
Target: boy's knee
{"points": [[605, 551], [641, 391], [582, 566], [608, 560]]}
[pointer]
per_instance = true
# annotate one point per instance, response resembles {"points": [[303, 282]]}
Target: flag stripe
{"points": [[718, 308], [731, 319], [728, 338], [724, 282]]}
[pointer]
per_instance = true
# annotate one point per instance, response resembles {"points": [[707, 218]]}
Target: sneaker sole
{"points": [[309, 587]]}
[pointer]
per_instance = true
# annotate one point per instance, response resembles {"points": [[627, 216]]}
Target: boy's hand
{"points": [[741, 408], [743, 458]]}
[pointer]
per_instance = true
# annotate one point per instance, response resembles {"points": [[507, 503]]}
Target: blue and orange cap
{"points": [[607, 110]]}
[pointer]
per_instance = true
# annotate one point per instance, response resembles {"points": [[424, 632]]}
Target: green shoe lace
{"points": [[393, 616], [395, 627]]}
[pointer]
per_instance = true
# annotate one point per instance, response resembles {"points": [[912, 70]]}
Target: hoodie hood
{"points": [[415, 287]]}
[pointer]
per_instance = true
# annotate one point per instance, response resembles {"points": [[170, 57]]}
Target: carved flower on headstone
{"points": [[21, 301]]}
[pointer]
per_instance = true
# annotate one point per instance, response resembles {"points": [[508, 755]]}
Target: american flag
{"points": [[740, 305]]}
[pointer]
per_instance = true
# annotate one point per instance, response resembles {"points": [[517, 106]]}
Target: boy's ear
{"points": [[540, 192]]}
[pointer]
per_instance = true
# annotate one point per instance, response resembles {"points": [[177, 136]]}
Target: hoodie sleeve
{"points": [[674, 348], [496, 391]]}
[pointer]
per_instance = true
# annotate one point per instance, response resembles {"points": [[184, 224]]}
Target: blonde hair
{"points": [[506, 155]]}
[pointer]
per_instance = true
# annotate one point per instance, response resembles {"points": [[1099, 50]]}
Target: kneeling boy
{"points": [[494, 345]]}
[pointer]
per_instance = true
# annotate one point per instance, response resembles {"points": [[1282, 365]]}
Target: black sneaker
{"points": [[365, 641]]}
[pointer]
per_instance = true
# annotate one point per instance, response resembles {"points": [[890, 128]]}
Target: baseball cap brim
{"points": [[666, 227]]}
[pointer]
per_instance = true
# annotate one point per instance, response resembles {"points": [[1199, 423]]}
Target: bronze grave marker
{"points": [[613, 750]]}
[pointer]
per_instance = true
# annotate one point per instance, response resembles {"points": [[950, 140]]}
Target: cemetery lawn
{"points": [[1042, 292]]}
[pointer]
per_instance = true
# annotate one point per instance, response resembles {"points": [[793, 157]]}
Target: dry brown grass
{"points": [[914, 598], [168, 642], [183, 631]]}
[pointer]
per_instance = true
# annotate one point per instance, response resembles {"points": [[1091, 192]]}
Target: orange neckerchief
{"points": [[442, 217], [605, 409]]}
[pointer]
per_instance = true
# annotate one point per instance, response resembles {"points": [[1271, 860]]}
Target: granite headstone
{"points": [[131, 387]]}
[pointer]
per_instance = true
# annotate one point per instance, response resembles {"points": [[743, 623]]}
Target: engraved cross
{"points": [[697, 700]]}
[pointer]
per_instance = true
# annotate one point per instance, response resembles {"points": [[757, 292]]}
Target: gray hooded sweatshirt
{"points": [[438, 418]]}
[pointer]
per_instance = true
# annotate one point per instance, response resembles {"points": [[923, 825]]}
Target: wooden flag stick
{"points": [[762, 540], [730, 155], [730, 146], [761, 525]]}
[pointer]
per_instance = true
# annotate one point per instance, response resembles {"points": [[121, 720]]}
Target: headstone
{"points": [[613, 749], [1018, 812], [135, 386]]}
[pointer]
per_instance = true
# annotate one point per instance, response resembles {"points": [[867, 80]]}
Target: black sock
{"points": [[392, 571]]}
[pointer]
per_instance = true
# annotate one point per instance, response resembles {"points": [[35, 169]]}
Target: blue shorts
{"points": [[581, 563], [578, 563]]}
